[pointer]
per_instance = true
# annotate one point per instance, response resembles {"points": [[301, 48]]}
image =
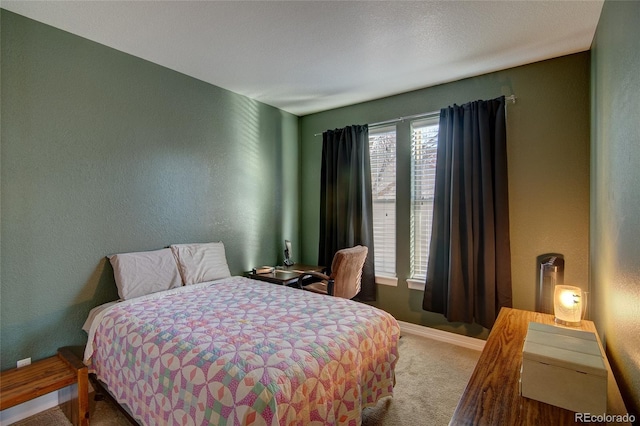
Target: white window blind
{"points": [[424, 144], [382, 150]]}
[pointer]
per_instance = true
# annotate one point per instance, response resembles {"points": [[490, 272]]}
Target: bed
{"points": [[234, 351]]}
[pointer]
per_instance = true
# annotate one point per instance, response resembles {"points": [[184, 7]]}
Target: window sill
{"points": [[386, 280], [416, 283]]}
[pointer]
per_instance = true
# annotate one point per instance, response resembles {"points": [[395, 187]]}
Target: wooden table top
{"points": [[492, 395]]}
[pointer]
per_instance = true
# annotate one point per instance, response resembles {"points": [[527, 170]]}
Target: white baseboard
{"points": [[29, 408], [443, 336]]}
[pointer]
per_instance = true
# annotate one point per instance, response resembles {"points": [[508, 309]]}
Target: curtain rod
{"points": [[510, 98]]}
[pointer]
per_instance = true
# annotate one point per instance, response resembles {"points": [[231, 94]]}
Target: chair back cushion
{"points": [[346, 271]]}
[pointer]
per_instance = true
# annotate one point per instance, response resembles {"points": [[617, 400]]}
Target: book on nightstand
{"points": [[263, 270]]}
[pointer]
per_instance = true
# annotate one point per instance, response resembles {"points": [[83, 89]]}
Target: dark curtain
{"points": [[469, 265], [346, 217]]}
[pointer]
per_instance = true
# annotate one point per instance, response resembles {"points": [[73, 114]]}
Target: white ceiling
{"points": [[309, 56]]}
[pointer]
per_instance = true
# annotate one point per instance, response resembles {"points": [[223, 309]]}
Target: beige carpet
{"points": [[430, 377]]}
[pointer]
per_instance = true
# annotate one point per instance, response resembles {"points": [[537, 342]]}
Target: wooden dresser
{"points": [[492, 395]]}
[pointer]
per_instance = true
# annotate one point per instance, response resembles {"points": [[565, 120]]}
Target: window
{"points": [[424, 144], [382, 150], [409, 148]]}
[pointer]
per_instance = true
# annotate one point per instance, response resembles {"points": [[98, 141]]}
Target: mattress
{"points": [[238, 351]]}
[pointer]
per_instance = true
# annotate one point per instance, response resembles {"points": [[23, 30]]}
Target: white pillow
{"points": [[201, 262], [142, 273]]}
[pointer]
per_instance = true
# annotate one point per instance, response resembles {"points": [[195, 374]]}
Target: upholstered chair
{"points": [[346, 273]]}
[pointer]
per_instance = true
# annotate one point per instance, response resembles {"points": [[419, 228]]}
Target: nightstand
{"points": [[286, 275], [58, 372]]}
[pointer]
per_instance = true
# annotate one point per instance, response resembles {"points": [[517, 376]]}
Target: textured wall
{"points": [[103, 153], [548, 149], [615, 193]]}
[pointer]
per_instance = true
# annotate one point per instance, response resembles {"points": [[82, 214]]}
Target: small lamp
{"points": [[568, 305]]}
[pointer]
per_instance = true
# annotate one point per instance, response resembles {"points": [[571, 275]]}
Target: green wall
{"points": [[615, 193], [104, 153], [548, 151]]}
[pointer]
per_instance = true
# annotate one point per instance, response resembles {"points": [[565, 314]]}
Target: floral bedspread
{"points": [[243, 352]]}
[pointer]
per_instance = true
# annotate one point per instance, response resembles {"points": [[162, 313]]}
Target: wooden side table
{"points": [[492, 395], [65, 369]]}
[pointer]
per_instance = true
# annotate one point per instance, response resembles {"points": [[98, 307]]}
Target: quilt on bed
{"points": [[239, 351]]}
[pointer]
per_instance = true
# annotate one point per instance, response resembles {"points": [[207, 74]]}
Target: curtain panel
{"points": [[469, 265], [346, 217]]}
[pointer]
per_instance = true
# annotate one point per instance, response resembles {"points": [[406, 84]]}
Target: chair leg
{"points": [[330, 284]]}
